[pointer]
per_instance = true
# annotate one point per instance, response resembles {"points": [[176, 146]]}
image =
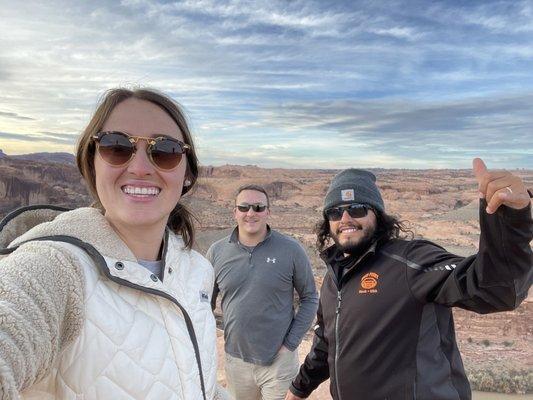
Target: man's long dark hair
{"points": [[387, 227]]}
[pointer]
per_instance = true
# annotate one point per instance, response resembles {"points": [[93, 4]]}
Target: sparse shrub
{"points": [[491, 379], [508, 343], [469, 340], [485, 342]]}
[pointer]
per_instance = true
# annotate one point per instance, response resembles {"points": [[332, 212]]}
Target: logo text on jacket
{"points": [[369, 283]]}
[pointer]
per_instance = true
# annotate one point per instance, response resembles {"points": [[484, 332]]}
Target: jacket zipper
{"points": [[337, 311]]}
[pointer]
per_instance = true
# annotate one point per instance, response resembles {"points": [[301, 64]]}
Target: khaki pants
{"points": [[248, 381]]}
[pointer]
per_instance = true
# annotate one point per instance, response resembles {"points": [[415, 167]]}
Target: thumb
{"points": [[480, 169]]}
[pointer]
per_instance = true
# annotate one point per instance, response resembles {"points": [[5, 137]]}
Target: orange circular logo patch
{"points": [[369, 281]]}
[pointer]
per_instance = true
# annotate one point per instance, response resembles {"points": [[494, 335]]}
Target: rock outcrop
{"points": [[24, 182], [442, 206], [61, 158]]}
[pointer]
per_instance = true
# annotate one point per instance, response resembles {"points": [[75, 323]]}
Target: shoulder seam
{"points": [[404, 260]]}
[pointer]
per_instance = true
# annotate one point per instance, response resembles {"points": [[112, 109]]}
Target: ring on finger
{"points": [[509, 189]]}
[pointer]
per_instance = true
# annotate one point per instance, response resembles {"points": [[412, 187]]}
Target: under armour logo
{"points": [[272, 260]]}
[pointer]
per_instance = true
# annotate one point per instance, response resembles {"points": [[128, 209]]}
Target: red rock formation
{"points": [[442, 206]]}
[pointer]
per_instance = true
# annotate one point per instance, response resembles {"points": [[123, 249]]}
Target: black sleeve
{"points": [[211, 258], [497, 278], [315, 369], [214, 296]]}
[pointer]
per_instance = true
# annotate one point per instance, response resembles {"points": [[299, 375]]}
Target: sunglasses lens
{"points": [[256, 207], [334, 214], [115, 148], [166, 153], [354, 211], [357, 212]]}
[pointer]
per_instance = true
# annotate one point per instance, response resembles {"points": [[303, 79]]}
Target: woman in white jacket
{"points": [[110, 301]]}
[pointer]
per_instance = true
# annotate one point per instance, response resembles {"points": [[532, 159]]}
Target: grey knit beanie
{"points": [[354, 186]]}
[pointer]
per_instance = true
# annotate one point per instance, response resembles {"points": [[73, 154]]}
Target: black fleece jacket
{"points": [[385, 330]]}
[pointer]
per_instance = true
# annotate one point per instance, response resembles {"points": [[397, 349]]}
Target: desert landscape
{"points": [[441, 205]]}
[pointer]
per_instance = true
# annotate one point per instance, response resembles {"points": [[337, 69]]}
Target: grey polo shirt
{"points": [[257, 288]]}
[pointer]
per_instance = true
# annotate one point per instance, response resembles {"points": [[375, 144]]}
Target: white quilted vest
{"points": [[134, 344]]}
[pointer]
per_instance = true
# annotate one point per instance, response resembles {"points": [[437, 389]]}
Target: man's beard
{"points": [[360, 246]]}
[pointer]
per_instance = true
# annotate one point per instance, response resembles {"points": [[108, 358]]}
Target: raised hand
{"points": [[499, 187]]}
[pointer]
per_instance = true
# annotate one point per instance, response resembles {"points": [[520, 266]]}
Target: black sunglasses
{"points": [[118, 148], [256, 207], [355, 210]]}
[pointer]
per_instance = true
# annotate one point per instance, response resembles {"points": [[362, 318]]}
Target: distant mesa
{"points": [[61, 157], [281, 189], [462, 211]]}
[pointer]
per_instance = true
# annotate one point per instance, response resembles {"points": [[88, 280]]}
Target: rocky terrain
{"points": [[441, 205], [62, 158], [24, 182]]}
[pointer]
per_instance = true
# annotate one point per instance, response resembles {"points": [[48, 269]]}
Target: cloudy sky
{"points": [[314, 84]]}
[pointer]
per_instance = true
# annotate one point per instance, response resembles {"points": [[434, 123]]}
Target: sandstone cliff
{"points": [[24, 182]]}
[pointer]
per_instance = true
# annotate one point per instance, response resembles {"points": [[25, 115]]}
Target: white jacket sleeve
{"points": [[41, 311]]}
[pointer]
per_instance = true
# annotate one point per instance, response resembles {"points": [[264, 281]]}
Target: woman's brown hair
{"points": [[180, 220]]}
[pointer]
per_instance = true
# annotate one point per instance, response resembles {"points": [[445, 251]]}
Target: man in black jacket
{"points": [[385, 328]]}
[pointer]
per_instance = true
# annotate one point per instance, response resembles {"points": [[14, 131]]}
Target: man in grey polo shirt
{"points": [[256, 272]]}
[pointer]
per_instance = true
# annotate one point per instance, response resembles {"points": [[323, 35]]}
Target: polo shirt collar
{"points": [[234, 237]]}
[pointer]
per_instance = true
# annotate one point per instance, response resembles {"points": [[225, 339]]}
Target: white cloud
{"points": [[274, 146], [399, 32]]}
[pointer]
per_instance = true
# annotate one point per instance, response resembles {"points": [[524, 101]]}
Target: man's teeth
{"points": [[348, 230], [141, 191]]}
